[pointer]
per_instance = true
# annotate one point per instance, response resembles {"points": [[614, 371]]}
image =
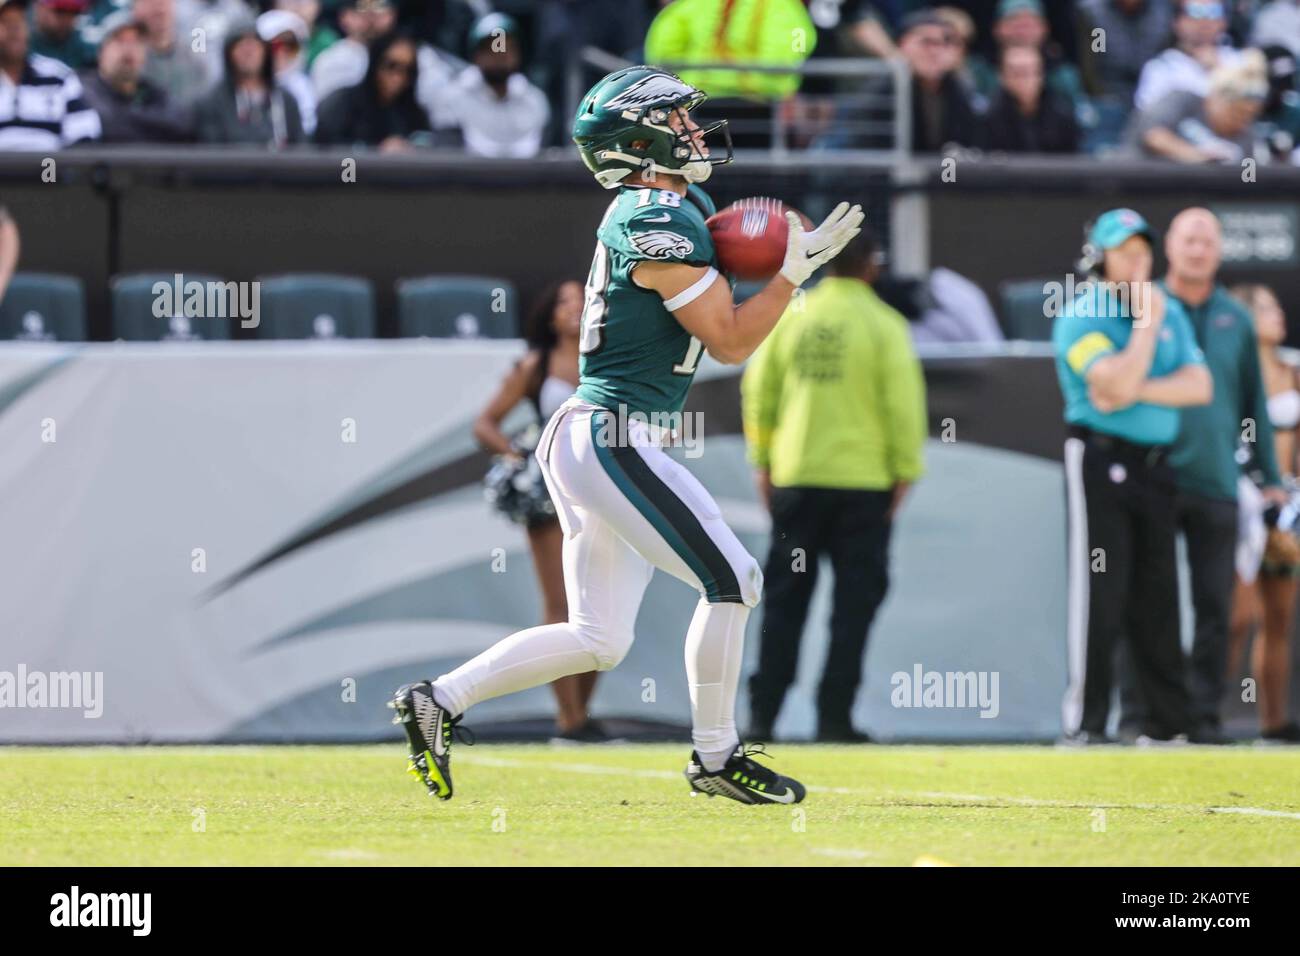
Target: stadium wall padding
{"points": [[324, 560]]}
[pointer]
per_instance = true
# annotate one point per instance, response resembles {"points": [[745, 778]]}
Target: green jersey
{"points": [[634, 353]]}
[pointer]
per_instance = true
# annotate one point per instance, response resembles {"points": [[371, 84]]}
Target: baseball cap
{"points": [[1008, 8], [275, 22], [115, 23], [492, 25], [72, 6], [1116, 226], [922, 18]]}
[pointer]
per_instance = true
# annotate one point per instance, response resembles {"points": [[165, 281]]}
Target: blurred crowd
{"points": [[1185, 80]]}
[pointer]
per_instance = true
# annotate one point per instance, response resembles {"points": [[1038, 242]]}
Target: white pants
{"points": [[627, 508]]}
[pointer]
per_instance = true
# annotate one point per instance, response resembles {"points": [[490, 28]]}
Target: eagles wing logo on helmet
{"points": [[662, 88], [662, 244]]}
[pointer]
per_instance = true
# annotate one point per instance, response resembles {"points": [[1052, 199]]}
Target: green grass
{"points": [[628, 805]]}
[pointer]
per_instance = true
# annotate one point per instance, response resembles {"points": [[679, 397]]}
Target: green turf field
{"points": [[629, 805]]}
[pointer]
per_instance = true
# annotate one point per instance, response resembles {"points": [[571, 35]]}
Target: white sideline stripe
{"points": [[1076, 628], [1256, 812]]}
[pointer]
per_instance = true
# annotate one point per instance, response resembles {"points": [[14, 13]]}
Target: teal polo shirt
{"points": [[1205, 455], [1094, 326]]}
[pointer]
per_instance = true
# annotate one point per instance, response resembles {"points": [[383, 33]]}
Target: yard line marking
{"points": [[845, 852], [1256, 812]]}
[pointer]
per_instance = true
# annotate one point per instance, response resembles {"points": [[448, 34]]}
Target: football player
{"points": [[654, 301]]}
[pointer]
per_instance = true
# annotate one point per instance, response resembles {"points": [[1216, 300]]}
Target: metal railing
{"points": [[860, 135]]}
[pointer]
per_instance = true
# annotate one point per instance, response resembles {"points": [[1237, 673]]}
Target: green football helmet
{"points": [[622, 127]]}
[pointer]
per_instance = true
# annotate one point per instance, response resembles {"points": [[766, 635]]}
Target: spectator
{"points": [[247, 107], [55, 33], [495, 107], [563, 28], [835, 422], [1264, 600], [1188, 128], [345, 63], [963, 33], [1022, 23], [1204, 458], [381, 110], [286, 32], [1279, 121], [212, 21], [320, 35], [1116, 39], [1198, 49], [741, 32], [1278, 24], [43, 107], [941, 111], [132, 109], [1024, 117], [172, 65]]}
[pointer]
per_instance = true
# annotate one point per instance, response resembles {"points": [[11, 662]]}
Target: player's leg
{"points": [[604, 582], [661, 510]]}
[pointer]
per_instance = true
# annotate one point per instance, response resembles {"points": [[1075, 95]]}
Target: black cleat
{"points": [[429, 731], [743, 779]]}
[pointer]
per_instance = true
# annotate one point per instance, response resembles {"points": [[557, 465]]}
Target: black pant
{"points": [[1123, 581], [1209, 526], [852, 528]]}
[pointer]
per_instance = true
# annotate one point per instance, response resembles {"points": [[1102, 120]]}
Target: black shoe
{"points": [[429, 730], [1209, 735], [743, 780], [1288, 733], [841, 735], [1084, 738]]}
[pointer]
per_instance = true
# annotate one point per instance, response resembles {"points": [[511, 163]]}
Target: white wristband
{"points": [[691, 292]]}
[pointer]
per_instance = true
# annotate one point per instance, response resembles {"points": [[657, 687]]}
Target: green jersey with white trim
{"points": [[634, 353]]}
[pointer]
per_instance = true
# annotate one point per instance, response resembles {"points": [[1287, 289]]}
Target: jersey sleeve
{"points": [[1079, 343], [662, 228]]}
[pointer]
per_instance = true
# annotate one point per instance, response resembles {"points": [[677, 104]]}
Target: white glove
{"points": [[806, 252]]}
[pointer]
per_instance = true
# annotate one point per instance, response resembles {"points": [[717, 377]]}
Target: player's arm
{"points": [[701, 301]]}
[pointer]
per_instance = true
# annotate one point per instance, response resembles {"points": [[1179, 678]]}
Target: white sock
{"points": [[715, 644], [528, 658]]}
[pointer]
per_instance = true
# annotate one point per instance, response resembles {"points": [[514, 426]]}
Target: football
{"points": [[750, 237]]}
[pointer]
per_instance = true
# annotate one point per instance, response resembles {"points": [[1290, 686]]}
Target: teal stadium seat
{"points": [[310, 305], [1027, 312], [43, 307], [141, 314], [457, 307]]}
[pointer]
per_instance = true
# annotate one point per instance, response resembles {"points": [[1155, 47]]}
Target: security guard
{"points": [[1127, 361]]}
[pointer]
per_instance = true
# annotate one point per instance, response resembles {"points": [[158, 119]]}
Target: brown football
{"points": [[750, 236]]}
